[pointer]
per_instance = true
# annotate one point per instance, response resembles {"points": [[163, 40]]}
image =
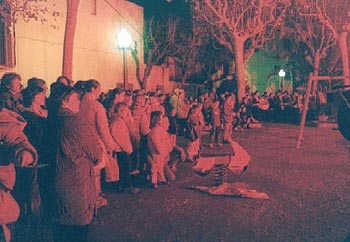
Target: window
{"points": [[6, 43]]}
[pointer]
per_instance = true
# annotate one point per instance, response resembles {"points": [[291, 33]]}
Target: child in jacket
{"points": [[159, 147]]}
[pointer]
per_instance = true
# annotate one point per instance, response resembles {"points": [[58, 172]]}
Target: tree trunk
{"points": [[316, 69], [68, 44], [239, 61], [146, 75], [344, 55], [137, 65]]}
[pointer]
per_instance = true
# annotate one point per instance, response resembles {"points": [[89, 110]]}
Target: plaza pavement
{"points": [[308, 188]]}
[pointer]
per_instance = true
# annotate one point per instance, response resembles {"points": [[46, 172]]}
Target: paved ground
{"points": [[308, 188]]}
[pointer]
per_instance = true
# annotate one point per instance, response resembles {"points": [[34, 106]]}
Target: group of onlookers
{"points": [[72, 141], [286, 107], [70, 146], [269, 107]]}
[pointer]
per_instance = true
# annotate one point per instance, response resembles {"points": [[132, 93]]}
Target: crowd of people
{"points": [[70, 146], [73, 140]]}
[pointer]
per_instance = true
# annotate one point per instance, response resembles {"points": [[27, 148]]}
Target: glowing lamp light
{"points": [[124, 38], [281, 73], [124, 42]]}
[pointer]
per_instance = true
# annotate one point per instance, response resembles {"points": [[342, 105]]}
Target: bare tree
{"points": [[336, 16], [241, 27], [159, 41], [187, 58], [38, 10], [321, 24], [27, 10], [310, 28]]}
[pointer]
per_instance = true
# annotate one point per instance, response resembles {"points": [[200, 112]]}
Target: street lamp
{"points": [[281, 74], [124, 41]]}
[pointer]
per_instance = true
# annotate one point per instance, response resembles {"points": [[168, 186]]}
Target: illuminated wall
{"points": [[39, 47]]}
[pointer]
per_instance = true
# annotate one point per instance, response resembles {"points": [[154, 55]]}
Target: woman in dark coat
{"points": [[26, 189], [76, 151]]}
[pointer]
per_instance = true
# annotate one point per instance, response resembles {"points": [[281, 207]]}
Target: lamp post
{"points": [[124, 41], [281, 74]]}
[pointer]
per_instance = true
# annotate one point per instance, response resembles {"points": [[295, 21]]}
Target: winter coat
{"points": [[228, 112], [216, 117], [76, 151], [142, 120], [95, 114], [35, 130], [173, 129], [120, 133], [13, 141], [194, 123], [133, 131], [158, 141]]}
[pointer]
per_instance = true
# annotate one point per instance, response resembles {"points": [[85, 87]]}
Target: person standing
{"points": [[228, 117], [120, 134], [29, 193], [179, 102], [216, 124], [75, 151], [15, 150], [142, 126], [26, 187], [160, 147], [95, 115], [194, 126]]}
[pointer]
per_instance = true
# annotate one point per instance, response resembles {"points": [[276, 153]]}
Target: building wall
{"points": [[159, 77], [96, 55]]}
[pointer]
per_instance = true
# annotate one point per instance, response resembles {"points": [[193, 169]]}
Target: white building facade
{"points": [[35, 49]]}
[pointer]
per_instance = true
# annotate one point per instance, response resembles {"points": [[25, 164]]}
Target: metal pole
{"points": [[124, 68], [281, 83], [305, 108]]}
